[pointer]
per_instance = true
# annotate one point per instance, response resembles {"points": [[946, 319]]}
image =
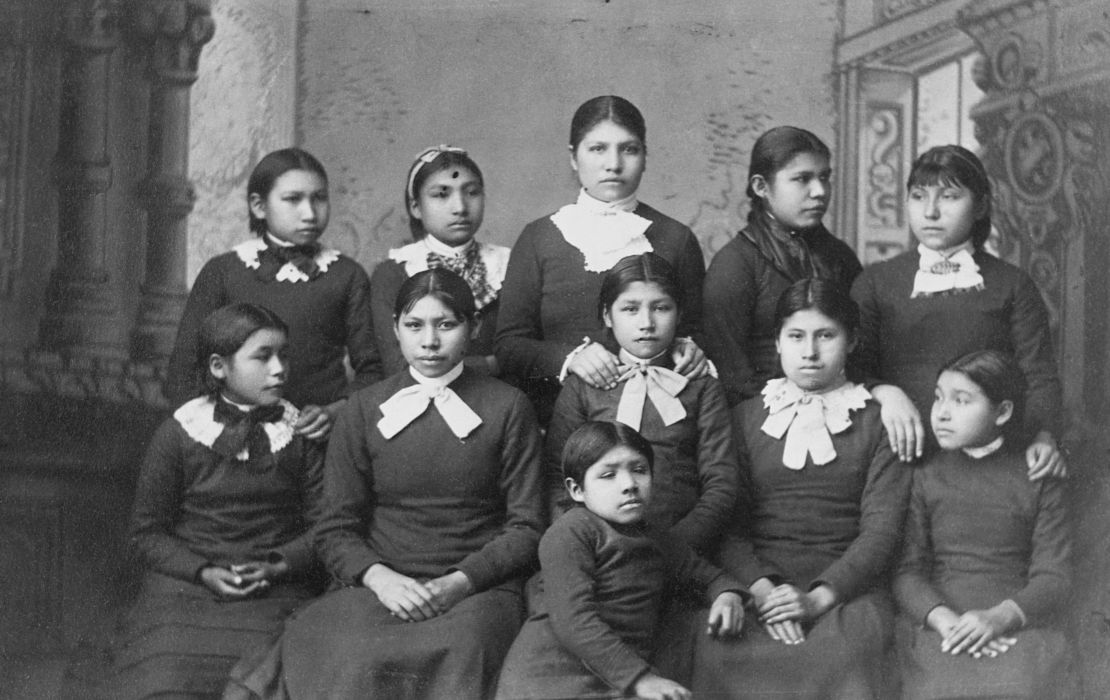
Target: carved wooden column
{"points": [[1046, 141], [176, 30], [81, 310]]}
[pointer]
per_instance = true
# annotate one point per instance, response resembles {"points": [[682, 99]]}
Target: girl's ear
{"points": [[607, 317], [257, 205], [414, 208], [217, 367], [759, 186], [574, 490], [1005, 413], [982, 206], [476, 325], [573, 159]]}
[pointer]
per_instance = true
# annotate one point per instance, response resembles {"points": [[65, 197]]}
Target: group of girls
{"points": [[776, 494]]}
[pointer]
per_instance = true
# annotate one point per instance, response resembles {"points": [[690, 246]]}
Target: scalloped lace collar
{"points": [[197, 419], [248, 252]]}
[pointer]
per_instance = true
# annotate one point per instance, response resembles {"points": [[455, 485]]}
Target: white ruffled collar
{"points": [[945, 271], [414, 257], [197, 419], [604, 232], [248, 252], [809, 420]]}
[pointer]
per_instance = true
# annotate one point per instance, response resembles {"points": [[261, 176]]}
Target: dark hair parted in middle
{"points": [[829, 298], [646, 267], [438, 283], [269, 169], [224, 331], [1000, 378], [428, 163], [773, 151], [593, 440], [606, 107], [955, 165]]}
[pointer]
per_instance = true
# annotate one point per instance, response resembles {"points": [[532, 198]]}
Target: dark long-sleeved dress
{"points": [[193, 508], [606, 585], [695, 476], [838, 524], [549, 300], [424, 503], [742, 287], [978, 533], [328, 316], [905, 341]]}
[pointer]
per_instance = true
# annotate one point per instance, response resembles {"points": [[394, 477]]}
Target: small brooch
{"points": [[945, 267]]}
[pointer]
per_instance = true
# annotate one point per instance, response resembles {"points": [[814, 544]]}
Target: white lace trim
{"points": [[414, 257], [248, 252], [197, 419], [603, 232]]}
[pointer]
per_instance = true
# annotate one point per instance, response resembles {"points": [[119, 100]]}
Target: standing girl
{"points": [[947, 298], [220, 520], [445, 200], [322, 295], [548, 327], [985, 568], [432, 510], [818, 523], [785, 241], [608, 573], [685, 420]]}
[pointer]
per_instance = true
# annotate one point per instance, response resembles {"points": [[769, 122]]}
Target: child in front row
{"points": [[221, 517], [985, 568], [686, 420], [607, 575]]}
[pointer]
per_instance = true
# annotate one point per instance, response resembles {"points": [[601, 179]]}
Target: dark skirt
{"points": [[1036, 667], [348, 645], [180, 639], [538, 667], [842, 657]]}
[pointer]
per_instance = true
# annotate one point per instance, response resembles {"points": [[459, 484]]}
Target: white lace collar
{"points": [[604, 232], [414, 257], [197, 419], [945, 271], [809, 420], [248, 252]]}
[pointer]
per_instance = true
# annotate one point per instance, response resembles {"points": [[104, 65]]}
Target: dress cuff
{"points": [[1013, 607], [573, 353]]}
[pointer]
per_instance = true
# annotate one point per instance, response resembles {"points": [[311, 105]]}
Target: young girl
{"points": [[985, 567], [548, 328], [950, 297], [445, 200], [323, 296], [785, 241], [432, 511], [818, 523], [607, 574], [220, 516], [685, 420]]}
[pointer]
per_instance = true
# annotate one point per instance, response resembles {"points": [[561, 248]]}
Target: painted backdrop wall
{"points": [[377, 81]]}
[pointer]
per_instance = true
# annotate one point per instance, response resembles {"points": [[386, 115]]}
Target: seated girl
{"points": [[686, 420], [445, 200], [220, 516], [985, 569], [431, 514], [608, 573], [818, 521]]}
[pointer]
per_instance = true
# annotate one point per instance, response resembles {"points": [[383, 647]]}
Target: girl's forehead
{"points": [[810, 318], [644, 288], [297, 179], [450, 175]]}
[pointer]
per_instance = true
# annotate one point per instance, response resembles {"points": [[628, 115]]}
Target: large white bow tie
{"points": [[643, 381], [409, 403], [809, 420]]}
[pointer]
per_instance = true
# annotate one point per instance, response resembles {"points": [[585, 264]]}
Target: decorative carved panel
{"points": [[882, 146], [892, 9]]}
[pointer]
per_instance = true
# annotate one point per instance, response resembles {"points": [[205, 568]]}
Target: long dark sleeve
{"points": [[882, 514], [347, 498], [864, 360], [362, 350], [521, 482], [209, 293], [913, 585], [1032, 341], [690, 271], [158, 496], [1050, 561], [300, 552], [570, 413], [718, 473], [731, 290], [569, 565], [384, 284]]}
